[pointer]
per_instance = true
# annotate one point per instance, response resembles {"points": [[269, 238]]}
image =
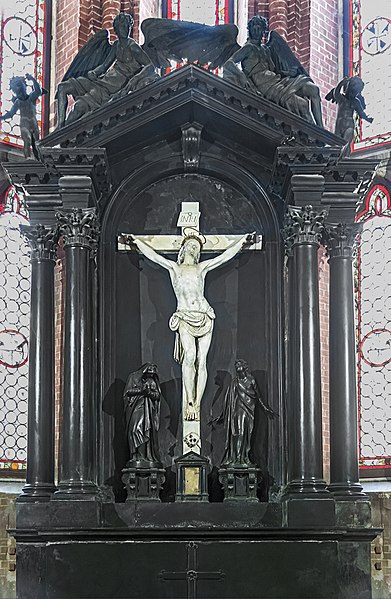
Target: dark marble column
{"points": [[344, 474], [80, 230], [40, 437], [303, 231]]}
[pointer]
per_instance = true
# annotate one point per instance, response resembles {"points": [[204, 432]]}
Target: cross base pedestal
{"points": [[240, 482], [143, 483]]}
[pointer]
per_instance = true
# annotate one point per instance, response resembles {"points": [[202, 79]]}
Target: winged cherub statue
{"points": [[101, 71], [25, 104], [347, 95], [273, 71]]}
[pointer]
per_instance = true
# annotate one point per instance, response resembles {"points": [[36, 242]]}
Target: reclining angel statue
{"points": [[102, 71], [274, 72]]}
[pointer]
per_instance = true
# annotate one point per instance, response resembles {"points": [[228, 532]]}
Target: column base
{"points": [[37, 492], [307, 487], [76, 490], [347, 492], [239, 483]]}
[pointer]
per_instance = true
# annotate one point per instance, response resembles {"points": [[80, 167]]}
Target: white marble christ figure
{"points": [[194, 318]]}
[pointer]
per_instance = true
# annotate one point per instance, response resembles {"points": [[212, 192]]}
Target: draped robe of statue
{"points": [[238, 416], [142, 396], [239, 411]]}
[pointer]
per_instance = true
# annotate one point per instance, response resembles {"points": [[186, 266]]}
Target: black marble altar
{"points": [[130, 165]]}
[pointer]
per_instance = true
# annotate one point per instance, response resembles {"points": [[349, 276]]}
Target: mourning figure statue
{"points": [[273, 71], [347, 95], [102, 71], [142, 397], [239, 410], [26, 105]]}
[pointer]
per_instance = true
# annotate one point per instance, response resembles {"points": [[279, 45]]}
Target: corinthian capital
{"points": [[341, 239], [303, 225], [43, 241], [79, 227]]}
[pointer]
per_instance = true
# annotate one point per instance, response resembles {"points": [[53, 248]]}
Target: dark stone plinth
{"points": [[60, 514], [353, 513], [293, 565], [240, 484], [183, 515], [125, 547], [306, 511], [143, 483]]}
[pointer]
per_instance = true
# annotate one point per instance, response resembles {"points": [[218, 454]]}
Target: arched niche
{"points": [[136, 302]]}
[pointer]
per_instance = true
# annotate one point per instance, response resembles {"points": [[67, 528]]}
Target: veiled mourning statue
{"points": [[349, 99], [239, 411], [142, 396]]}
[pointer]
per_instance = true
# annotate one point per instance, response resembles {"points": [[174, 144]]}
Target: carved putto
{"points": [[25, 103], [349, 99]]}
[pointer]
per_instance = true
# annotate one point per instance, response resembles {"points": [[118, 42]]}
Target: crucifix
{"points": [[193, 319], [191, 575]]}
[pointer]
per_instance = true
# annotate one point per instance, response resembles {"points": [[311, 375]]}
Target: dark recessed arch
{"points": [[256, 285]]}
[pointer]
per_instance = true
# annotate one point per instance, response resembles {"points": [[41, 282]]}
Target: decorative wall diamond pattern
{"points": [[22, 37], [374, 331], [14, 334], [370, 58]]}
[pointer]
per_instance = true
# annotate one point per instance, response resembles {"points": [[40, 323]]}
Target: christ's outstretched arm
{"points": [[229, 253], [150, 253]]}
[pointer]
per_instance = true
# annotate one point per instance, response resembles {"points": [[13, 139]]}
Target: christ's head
{"points": [[190, 250]]}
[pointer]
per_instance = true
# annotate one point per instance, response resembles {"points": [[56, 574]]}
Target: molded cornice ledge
{"points": [[39, 181]]}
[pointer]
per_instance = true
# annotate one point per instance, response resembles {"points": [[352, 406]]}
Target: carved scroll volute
{"points": [[191, 141]]}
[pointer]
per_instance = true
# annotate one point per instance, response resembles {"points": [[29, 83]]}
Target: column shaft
{"points": [[40, 437], [344, 473], [305, 474], [76, 469], [308, 463]]}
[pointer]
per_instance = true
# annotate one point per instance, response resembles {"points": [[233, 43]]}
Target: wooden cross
{"points": [[191, 575], [188, 220]]}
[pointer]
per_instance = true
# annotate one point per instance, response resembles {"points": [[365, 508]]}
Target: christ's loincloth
{"points": [[197, 324]]}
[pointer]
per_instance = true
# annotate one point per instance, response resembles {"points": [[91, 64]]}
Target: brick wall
{"points": [[324, 52], [324, 356], [59, 274], [7, 547]]}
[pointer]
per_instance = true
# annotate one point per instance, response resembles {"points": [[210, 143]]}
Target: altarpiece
{"points": [[122, 172]]}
